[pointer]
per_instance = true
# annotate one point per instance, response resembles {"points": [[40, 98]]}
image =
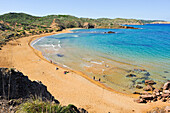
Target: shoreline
{"points": [[75, 88], [75, 71]]}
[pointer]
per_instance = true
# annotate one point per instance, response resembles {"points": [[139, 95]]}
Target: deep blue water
{"points": [[147, 47]]}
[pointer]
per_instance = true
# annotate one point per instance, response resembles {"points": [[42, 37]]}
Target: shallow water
{"points": [[110, 57]]}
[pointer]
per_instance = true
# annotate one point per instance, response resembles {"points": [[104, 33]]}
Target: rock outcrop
{"points": [[16, 89], [109, 32], [163, 94], [14, 85], [87, 25]]}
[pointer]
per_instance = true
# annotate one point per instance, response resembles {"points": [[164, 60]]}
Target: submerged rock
{"points": [[60, 55], [166, 72], [130, 75], [139, 87], [150, 82]]}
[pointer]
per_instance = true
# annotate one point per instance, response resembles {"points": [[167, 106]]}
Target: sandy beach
{"points": [[72, 88]]}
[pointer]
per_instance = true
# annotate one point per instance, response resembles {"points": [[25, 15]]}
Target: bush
{"points": [[38, 106]]}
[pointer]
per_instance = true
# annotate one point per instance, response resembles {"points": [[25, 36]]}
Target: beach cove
{"points": [[70, 88], [113, 57]]}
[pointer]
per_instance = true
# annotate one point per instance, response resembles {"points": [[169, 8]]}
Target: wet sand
{"points": [[72, 88]]}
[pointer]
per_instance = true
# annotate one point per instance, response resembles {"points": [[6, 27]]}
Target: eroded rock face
{"points": [[166, 86], [14, 85], [87, 25], [162, 94], [15, 89]]}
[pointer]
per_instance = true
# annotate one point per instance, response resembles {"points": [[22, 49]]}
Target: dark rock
{"points": [[136, 92], [147, 74], [165, 95], [166, 86], [130, 75], [163, 99], [21, 90], [139, 82], [159, 98], [155, 99], [148, 88], [82, 110], [110, 32], [145, 93], [150, 82], [140, 101], [147, 97], [139, 87], [21, 86], [166, 72], [128, 27], [60, 55]]}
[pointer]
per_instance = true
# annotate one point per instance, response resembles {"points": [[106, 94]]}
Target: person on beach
{"points": [[65, 72], [94, 78]]}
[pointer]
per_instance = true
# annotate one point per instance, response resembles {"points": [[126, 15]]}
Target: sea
{"points": [[122, 60]]}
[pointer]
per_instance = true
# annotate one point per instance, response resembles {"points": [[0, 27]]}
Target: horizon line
{"points": [[78, 16]]}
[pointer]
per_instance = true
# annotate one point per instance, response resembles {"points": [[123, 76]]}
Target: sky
{"points": [[137, 9]]}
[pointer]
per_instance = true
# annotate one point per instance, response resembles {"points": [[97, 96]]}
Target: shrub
{"points": [[38, 106]]}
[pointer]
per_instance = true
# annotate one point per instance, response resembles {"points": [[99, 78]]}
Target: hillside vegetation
{"points": [[16, 25]]}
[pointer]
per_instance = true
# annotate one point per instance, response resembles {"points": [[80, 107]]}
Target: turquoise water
{"points": [[98, 54]]}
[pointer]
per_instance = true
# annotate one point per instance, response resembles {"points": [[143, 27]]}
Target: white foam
{"points": [[59, 44], [54, 47], [32, 44], [46, 45], [66, 66], [87, 59], [85, 65], [99, 63], [75, 35]]}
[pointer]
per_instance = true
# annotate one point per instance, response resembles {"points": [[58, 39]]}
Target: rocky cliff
{"points": [[16, 89]]}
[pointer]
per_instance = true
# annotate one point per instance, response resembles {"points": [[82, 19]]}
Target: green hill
{"points": [[16, 25]]}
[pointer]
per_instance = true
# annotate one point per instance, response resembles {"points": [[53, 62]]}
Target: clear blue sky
{"points": [[139, 9]]}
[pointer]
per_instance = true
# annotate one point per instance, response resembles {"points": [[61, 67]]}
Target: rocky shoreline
{"points": [[155, 94]]}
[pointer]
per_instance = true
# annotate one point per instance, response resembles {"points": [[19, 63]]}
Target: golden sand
{"points": [[72, 88]]}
